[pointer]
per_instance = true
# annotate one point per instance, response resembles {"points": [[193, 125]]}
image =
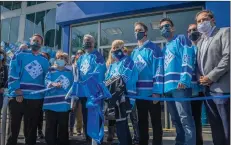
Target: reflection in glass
{"points": [[182, 19], [6, 6], [14, 27], [124, 29], [30, 19], [58, 41], [40, 23], [50, 27], [5, 29], [77, 33], [16, 5]]}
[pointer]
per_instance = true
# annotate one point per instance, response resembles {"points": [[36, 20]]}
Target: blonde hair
{"points": [[115, 44], [62, 54]]}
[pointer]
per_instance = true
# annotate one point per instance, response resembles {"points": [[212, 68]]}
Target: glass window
{"points": [[5, 29], [39, 23], [124, 29], [30, 19], [77, 33], [7, 5], [31, 3], [58, 41], [50, 27], [14, 26], [16, 5], [182, 19]]}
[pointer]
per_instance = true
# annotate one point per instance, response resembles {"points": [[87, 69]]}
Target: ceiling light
{"points": [[155, 25], [113, 31]]}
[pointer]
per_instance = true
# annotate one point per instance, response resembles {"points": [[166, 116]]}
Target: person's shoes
{"points": [[78, 133], [40, 134], [71, 133]]}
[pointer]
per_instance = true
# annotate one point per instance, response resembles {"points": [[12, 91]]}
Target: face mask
{"points": [[35, 46], [165, 32], [204, 27], [1, 57], [60, 62], [87, 45], [194, 36], [139, 35], [118, 54]]}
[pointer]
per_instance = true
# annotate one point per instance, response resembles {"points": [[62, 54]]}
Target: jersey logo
{"points": [[64, 81], [168, 58], [34, 69], [140, 63], [85, 67], [186, 59]]}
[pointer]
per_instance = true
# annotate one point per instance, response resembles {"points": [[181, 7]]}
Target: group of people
{"points": [[188, 66]]}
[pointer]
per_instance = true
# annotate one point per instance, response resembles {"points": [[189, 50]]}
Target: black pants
{"points": [[196, 113], [57, 128], [30, 110], [143, 108], [40, 122], [85, 112]]}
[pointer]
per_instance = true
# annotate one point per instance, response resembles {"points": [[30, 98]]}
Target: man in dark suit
{"points": [[213, 59]]}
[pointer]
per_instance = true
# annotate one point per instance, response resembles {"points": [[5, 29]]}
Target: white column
{"points": [[22, 22]]}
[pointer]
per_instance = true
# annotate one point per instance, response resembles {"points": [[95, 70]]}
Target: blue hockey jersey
{"points": [[149, 63], [27, 72], [90, 63], [55, 99], [179, 58], [126, 68]]}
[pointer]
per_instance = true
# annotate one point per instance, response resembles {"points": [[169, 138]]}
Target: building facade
{"points": [[19, 20]]}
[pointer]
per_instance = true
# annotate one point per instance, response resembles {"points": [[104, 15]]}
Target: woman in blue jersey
{"points": [[121, 65], [55, 106]]}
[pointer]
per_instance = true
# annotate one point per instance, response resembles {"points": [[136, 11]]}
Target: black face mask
{"points": [[194, 36]]}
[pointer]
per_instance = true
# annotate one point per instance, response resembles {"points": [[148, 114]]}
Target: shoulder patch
{"points": [[99, 58]]}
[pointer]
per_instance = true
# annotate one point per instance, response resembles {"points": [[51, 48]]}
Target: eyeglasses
{"points": [[192, 30], [165, 26]]}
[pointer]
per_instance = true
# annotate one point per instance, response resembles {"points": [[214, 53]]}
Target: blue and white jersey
{"points": [[55, 99], [196, 87], [148, 60], [179, 57], [90, 63], [126, 68], [27, 72]]}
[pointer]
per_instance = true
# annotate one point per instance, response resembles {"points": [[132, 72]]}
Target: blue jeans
{"points": [[181, 115], [218, 111]]}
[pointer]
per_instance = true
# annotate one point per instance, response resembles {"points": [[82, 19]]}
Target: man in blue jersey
{"points": [[179, 58], [89, 63], [26, 75], [149, 62]]}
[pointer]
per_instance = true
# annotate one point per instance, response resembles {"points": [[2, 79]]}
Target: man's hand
{"points": [[155, 96], [181, 86], [23, 46], [58, 85], [205, 81], [18, 92], [19, 99]]}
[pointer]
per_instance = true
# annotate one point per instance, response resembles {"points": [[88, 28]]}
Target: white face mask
{"points": [[204, 27]]}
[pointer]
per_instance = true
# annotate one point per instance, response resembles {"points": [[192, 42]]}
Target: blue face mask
{"points": [[165, 31], [1, 57], [86, 45], [118, 54], [60, 62], [139, 35], [35, 46]]}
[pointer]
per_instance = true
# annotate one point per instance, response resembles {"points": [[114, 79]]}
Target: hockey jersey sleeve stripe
{"points": [[144, 84], [12, 79], [31, 87], [158, 79], [56, 99], [187, 69]]}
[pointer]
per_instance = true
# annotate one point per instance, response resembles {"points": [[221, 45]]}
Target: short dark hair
{"points": [[210, 13], [141, 24], [38, 35], [167, 19]]}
